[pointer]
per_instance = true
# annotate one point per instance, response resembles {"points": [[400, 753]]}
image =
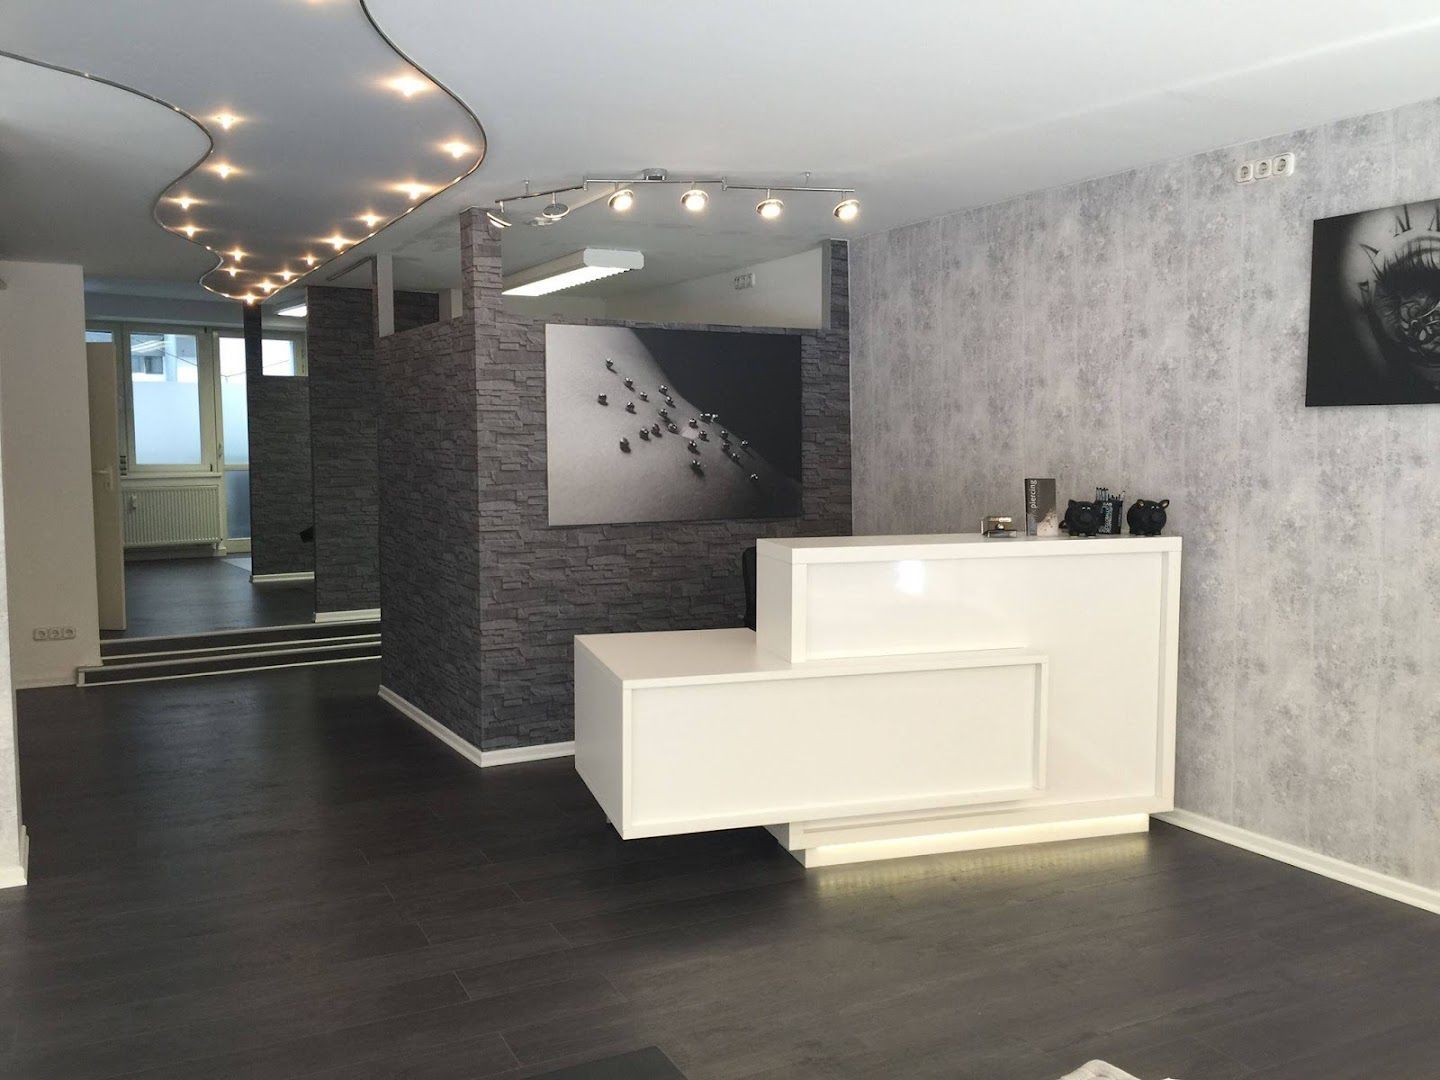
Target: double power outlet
{"points": [[54, 633], [1248, 172]]}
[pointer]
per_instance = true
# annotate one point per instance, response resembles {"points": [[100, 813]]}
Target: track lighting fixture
{"points": [[695, 200], [769, 208], [497, 217], [555, 211], [621, 201], [847, 210]]}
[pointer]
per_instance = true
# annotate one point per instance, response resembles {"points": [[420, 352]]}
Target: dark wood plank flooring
{"points": [[276, 876], [190, 596]]}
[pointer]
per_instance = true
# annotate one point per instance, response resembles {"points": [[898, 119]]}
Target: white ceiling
{"points": [[924, 106], [321, 140]]}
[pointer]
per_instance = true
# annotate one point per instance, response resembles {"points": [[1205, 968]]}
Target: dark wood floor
{"points": [[275, 876], [190, 596]]}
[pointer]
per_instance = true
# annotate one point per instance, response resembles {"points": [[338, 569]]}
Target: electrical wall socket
{"points": [[1281, 165], [55, 633]]}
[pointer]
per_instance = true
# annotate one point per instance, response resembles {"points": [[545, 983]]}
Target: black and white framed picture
{"points": [[1375, 308], [671, 425]]}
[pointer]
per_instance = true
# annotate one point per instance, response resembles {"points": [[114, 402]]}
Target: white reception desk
{"points": [[902, 695]]}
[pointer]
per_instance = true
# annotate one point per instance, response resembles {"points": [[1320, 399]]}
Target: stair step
{"points": [[262, 635], [219, 663], [254, 648]]}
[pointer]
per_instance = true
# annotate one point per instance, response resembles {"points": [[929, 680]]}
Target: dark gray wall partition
{"points": [[344, 424], [429, 522], [487, 596], [540, 586], [281, 503]]}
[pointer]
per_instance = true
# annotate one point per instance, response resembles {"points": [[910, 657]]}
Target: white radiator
{"points": [[176, 512]]}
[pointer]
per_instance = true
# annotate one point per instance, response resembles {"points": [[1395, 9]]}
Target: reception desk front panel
{"points": [[936, 692]]}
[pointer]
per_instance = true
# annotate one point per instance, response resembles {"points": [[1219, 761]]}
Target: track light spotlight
{"points": [[847, 210], [497, 217], [695, 200], [555, 211], [622, 200], [769, 207]]}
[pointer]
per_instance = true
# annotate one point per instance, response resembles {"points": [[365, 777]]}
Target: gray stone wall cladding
{"points": [[281, 503], [540, 586], [429, 519], [344, 430]]}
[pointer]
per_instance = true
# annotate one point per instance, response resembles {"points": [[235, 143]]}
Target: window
{"points": [[165, 399], [184, 405]]}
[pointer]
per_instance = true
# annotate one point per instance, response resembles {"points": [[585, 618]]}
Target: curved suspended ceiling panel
{"points": [[321, 132]]}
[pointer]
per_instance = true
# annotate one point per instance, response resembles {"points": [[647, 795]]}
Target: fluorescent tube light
{"points": [[568, 271], [294, 311]]}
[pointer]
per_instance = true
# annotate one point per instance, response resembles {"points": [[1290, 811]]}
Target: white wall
{"points": [[45, 446], [788, 292], [12, 832]]}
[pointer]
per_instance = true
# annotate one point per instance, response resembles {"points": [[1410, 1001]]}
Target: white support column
{"points": [[451, 304], [382, 276]]}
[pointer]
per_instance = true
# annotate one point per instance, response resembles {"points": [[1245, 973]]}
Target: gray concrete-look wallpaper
{"points": [[1147, 331]]}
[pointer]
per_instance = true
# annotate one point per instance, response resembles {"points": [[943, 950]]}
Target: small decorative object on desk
{"points": [[1110, 507], [1042, 515], [1147, 517], [1082, 518], [998, 525]]}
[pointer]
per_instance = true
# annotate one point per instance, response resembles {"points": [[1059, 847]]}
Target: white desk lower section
{"points": [[903, 695]]}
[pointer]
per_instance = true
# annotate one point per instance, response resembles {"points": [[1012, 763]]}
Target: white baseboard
{"points": [[364, 614], [266, 579], [14, 876], [1370, 880], [485, 759], [515, 754]]}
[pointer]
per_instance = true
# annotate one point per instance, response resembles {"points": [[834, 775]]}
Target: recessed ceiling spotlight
{"points": [[286, 275], [456, 149], [408, 85], [310, 260], [224, 169], [230, 270], [370, 220], [621, 201], [189, 230], [337, 241], [185, 201], [226, 120], [695, 200], [847, 210], [236, 254], [412, 190], [249, 298], [769, 207], [268, 286], [555, 211]]}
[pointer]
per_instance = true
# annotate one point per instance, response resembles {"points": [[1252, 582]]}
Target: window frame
{"points": [[207, 353]]}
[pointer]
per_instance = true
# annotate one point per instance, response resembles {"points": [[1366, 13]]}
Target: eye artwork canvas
{"points": [[1375, 308], [671, 425]]}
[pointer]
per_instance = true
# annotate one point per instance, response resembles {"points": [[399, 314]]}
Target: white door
{"points": [[105, 484]]}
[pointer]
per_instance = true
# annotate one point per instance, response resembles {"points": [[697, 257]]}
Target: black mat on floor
{"points": [[648, 1064]]}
